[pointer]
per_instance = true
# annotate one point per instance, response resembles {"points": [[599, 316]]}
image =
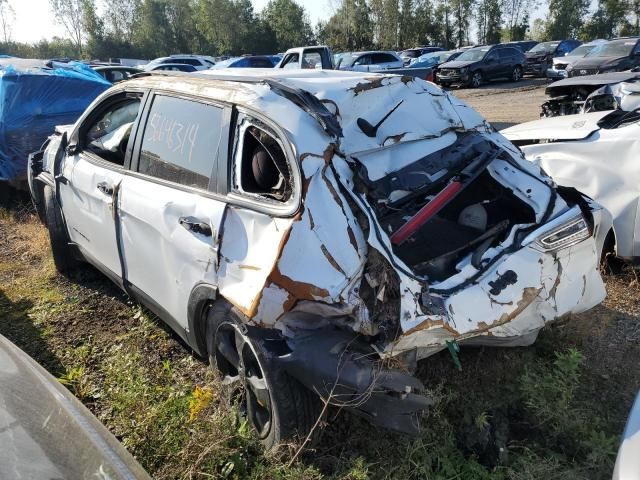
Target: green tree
{"points": [[462, 14], [349, 28], [566, 18], [289, 22], [68, 13], [608, 20], [489, 19], [516, 18], [7, 17], [407, 25]]}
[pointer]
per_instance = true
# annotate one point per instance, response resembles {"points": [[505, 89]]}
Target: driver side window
{"points": [[108, 136]]}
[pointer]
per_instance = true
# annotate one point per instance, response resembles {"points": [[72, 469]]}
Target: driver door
{"points": [[92, 172], [492, 65]]}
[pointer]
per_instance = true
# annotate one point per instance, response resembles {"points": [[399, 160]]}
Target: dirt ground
{"points": [[506, 104], [553, 410]]}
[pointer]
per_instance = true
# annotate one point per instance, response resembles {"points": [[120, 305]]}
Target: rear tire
{"points": [[288, 410], [63, 256]]}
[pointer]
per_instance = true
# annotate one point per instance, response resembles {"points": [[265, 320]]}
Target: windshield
{"points": [[582, 50], [433, 58], [226, 63], [614, 49], [473, 54], [410, 53], [346, 60], [545, 47]]}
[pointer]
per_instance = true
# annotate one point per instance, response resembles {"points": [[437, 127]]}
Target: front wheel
{"points": [[476, 80], [516, 75], [63, 256], [277, 406]]}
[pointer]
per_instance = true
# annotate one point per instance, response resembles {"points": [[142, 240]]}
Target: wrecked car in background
{"points": [[597, 153], [316, 233], [593, 93], [33, 100]]}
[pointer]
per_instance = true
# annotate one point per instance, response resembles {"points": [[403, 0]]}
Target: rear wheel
{"points": [[278, 407], [63, 256], [476, 79], [516, 75]]}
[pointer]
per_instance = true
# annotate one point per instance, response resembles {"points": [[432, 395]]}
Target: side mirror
{"points": [[491, 60]]}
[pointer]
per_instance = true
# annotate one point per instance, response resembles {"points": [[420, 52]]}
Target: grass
{"points": [[554, 410]]}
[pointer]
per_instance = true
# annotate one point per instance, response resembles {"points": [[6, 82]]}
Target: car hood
{"points": [[568, 59], [597, 62], [532, 55], [457, 64], [561, 87], [567, 127], [45, 432]]}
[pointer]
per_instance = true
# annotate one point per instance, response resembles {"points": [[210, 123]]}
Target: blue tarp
{"points": [[33, 101]]}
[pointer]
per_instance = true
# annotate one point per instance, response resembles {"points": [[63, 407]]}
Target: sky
{"points": [[33, 17]]}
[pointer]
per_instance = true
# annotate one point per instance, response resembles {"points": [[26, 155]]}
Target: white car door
{"points": [[92, 174], [170, 217]]}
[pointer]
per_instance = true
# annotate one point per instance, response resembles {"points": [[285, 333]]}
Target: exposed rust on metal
{"points": [[369, 84], [329, 152], [529, 294], [407, 79], [429, 324], [394, 138], [300, 290]]}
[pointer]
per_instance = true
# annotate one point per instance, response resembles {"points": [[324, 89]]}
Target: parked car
{"points": [[199, 62], [115, 73], [559, 68], [591, 93], [45, 432], [173, 67], [321, 57], [250, 61], [412, 53], [614, 56], [369, 61], [434, 59], [275, 59], [482, 64], [540, 58], [597, 153], [303, 229], [524, 45], [627, 465]]}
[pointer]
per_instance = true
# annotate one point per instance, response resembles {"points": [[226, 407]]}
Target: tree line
{"points": [[152, 28]]}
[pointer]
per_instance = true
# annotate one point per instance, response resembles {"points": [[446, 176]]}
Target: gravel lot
{"points": [[506, 104]]}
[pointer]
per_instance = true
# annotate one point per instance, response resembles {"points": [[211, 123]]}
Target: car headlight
{"points": [[464, 70], [574, 231]]}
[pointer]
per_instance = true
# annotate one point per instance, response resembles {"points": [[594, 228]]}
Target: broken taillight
{"points": [[574, 231]]}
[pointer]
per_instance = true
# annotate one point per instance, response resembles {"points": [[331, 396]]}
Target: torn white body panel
{"points": [[603, 166]]}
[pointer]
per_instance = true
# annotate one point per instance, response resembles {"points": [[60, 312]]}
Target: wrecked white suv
{"points": [[316, 233]]}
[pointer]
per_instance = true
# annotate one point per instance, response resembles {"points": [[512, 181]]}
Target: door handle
{"points": [[105, 188], [196, 225]]}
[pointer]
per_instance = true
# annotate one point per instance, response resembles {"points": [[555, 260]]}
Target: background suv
{"points": [[481, 64], [540, 57], [614, 56], [199, 62]]}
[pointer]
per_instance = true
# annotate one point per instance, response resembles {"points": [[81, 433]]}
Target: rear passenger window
{"points": [[180, 141], [260, 166]]}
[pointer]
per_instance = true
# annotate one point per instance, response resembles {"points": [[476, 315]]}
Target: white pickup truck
{"points": [[321, 58]]}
